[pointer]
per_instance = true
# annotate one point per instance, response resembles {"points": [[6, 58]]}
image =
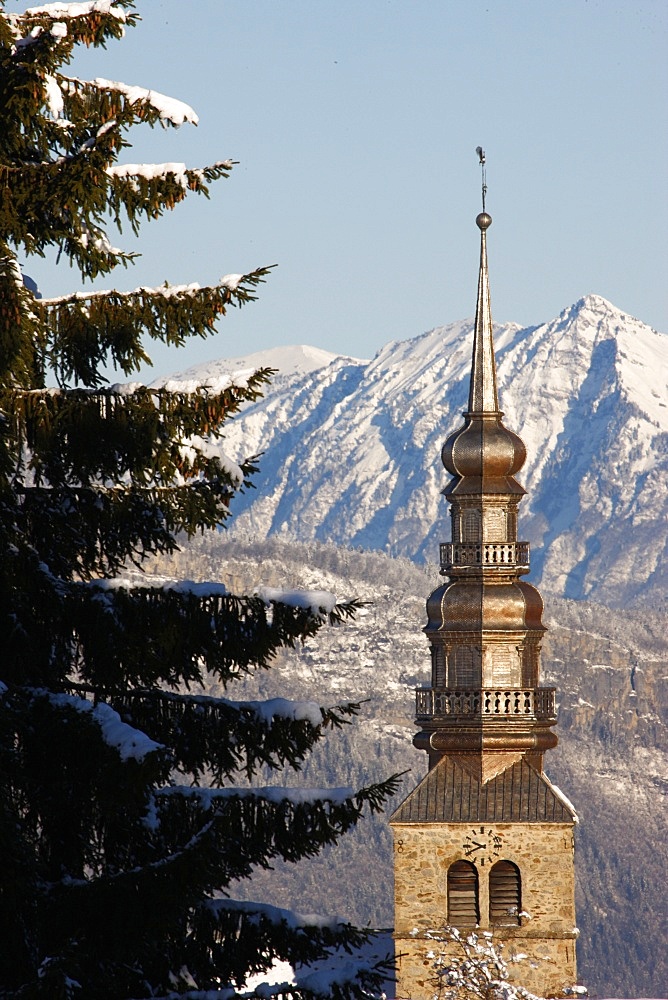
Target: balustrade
{"points": [[484, 554], [535, 702]]}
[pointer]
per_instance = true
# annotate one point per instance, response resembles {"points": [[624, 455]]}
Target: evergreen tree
{"points": [[125, 809]]}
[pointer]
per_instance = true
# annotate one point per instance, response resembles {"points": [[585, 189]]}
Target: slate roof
{"points": [[449, 794]]}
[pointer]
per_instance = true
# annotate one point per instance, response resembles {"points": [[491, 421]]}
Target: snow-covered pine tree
{"points": [[121, 825]]}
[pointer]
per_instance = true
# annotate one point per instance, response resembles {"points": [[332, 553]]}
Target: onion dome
{"points": [[513, 606]]}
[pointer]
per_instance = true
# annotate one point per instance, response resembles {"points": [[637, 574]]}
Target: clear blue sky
{"points": [[355, 123]]}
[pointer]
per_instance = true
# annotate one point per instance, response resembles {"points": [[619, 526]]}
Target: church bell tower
{"points": [[485, 841]]}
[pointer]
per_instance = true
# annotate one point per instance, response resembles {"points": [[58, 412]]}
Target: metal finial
{"points": [[481, 157]]}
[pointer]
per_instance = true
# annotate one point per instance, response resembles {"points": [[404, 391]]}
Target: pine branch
{"points": [[233, 940], [94, 532], [217, 738], [113, 101], [154, 436], [21, 340], [148, 190], [86, 331], [251, 827], [165, 636], [152, 635]]}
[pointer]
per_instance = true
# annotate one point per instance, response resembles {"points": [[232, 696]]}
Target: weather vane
{"points": [[481, 157]]}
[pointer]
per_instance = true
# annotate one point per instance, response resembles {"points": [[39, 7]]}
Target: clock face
{"points": [[482, 845]]}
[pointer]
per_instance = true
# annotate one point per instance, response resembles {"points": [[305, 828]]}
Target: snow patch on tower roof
{"points": [[562, 798]]}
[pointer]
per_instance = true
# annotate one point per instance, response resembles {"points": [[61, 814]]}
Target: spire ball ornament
{"points": [[483, 221]]}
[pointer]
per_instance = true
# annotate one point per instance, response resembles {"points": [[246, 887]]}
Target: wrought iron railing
{"points": [[484, 554], [535, 702]]}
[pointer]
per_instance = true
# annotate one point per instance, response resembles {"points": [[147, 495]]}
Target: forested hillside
{"points": [[611, 671]]}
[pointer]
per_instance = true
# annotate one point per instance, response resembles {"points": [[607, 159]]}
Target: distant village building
{"points": [[485, 840]]}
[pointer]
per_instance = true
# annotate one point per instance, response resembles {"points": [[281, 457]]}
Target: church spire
{"points": [[485, 840], [485, 706], [482, 393]]}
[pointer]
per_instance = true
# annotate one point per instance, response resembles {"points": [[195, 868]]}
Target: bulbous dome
{"points": [[486, 453], [483, 447], [465, 606]]}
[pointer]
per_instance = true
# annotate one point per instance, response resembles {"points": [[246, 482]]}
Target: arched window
{"points": [[463, 910], [505, 894]]}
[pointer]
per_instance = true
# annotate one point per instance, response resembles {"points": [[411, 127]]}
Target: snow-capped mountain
{"points": [[299, 359], [352, 448]]}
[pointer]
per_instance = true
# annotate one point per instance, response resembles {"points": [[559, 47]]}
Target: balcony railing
{"points": [[537, 703], [502, 554]]}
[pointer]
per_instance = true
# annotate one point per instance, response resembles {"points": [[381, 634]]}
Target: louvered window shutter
{"points": [[463, 910], [505, 900]]}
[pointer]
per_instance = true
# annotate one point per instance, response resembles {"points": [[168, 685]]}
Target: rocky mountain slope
{"points": [[611, 671], [352, 447]]}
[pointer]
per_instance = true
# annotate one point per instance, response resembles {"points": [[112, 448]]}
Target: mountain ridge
{"points": [[351, 448]]}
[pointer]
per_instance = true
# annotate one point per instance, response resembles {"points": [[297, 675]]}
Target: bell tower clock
{"points": [[485, 840]]}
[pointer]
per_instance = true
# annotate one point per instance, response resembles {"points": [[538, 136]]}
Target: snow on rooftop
{"points": [[562, 798]]}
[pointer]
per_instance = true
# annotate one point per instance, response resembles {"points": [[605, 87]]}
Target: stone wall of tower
{"points": [[543, 852]]}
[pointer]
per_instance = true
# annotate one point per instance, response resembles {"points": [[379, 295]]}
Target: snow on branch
{"points": [[332, 979], [80, 9], [470, 965], [200, 590], [207, 798], [131, 744], [166, 291], [273, 914], [169, 109], [318, 602], [265, 711], [178, 173], [282, 708], [59, 14]]}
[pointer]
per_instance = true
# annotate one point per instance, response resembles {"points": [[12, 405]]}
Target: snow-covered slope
{"points": [[352, 448], [298, 359]]}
